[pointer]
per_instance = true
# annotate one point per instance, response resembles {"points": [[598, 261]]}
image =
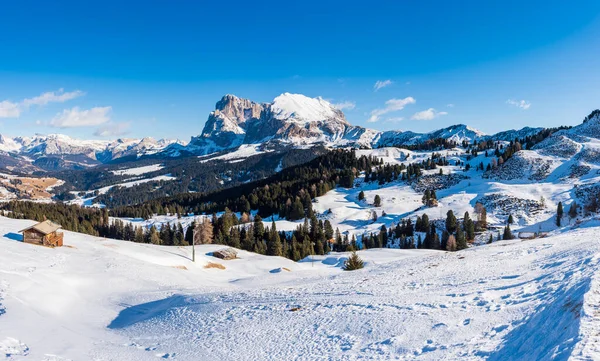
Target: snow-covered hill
{"points": [[101, 299]]}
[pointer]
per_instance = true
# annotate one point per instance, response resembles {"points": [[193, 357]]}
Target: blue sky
{"points": [[156, 68]]}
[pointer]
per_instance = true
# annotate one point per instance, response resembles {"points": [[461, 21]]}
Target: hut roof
{"points": [[45, 227]]}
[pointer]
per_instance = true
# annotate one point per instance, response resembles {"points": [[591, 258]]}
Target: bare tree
{"points": [[451, 244], [481, 213], [203, 233]]}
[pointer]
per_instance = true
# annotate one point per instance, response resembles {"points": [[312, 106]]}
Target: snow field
{"points": [[102, 299]]}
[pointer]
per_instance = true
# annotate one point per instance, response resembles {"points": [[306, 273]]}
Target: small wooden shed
{"points": [[44, 233]]}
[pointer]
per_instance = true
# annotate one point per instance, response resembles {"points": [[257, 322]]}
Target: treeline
{"points": [[313, 236], [95, 222], [453, 235], [430, 144], [192, 175], [288, 193]]}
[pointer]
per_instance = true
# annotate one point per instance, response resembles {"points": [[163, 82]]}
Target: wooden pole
{"points": [[194, 243]]}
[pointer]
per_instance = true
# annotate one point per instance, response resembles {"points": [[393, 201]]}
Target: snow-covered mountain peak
{"points": [[298, 107], [458, 133]]}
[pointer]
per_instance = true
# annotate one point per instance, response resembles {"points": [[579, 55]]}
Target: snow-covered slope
{"points": [[100, 299]]}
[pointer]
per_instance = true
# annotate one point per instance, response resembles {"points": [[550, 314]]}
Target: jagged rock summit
{"points": [[290, 119]]}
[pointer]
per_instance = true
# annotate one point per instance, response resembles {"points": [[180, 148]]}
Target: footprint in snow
{"points": [[13, 347], [165, 355]]}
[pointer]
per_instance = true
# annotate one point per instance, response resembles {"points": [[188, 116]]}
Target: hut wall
{"points": [[54, 239], [32, 236]]}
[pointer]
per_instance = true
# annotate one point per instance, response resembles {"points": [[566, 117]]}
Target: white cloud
{"points": [[382, 84], [428, 114], [58, 96], [523, 104], [391, 105], [345, 105], [112, 130], [450, 105], [75, 117], [9, 109], [395, 119]]}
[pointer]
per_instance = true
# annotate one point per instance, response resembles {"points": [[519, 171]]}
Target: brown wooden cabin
{"points": [[44, 233]]}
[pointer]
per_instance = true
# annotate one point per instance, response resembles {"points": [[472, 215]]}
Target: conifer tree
{"points": [[295, 250], [507, 233], [377, 201], [559, 213], [450, 222], [328, 229], [354, 262], [259, 229], [361, 195], [510, 219], [274, 247], [573, 210], [461, 241]]}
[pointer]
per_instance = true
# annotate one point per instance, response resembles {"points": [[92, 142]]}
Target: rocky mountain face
{"points": [[291, 119]]}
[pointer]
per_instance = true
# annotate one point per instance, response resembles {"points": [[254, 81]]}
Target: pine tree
{"points": [[361, 195], [377, 201], [461, 241], [354, 262], [295, 250], [259, 229], [510, 219], [274, 247], [507, 233], [450, 222], [328, 230], [234, 237], [573, 210], [559, 213]]}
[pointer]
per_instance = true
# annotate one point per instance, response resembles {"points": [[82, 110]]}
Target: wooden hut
{"points": [[44, 233]]}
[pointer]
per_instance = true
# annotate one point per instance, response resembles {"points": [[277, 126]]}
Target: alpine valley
{"points": [[255, 139]]}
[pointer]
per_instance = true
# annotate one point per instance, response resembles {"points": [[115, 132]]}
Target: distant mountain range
{"points": [[291, 120]]}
